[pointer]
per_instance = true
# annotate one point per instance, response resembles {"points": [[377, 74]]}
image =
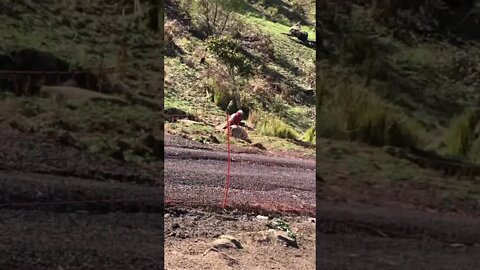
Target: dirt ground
{"points": [[65, 209], [357, 230], [190, 233], [195, 176], [261, 181], [355, 236]]}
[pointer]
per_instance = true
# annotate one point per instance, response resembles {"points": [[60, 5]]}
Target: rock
{"points": [[262, 217], [231, 107], [234, 240], [22, 124], [227, 242], [66, 138], [312, 220], [238, 132], [282, 237], [223, 244], [260, 146], [213, 139]]}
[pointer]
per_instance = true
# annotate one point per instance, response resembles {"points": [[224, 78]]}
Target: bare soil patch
{"points": [[190, 233]]}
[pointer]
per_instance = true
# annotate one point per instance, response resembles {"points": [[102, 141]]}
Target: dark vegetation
{"points": [[400, 73], [397, 104], [91, 70]]}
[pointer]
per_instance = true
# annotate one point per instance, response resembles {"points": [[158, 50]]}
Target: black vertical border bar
{"points": [[161, 20], [317, 173]]}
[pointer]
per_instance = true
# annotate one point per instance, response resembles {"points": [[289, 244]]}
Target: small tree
{"points": [[230, 52], [216, 14]]}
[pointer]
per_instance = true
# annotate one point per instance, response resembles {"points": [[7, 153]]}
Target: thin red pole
{"points": [[227, 184]]}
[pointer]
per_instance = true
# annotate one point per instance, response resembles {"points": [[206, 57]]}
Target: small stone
{"points": [[282, 237], [290, 242], [213, 139], [312, 220], [260, 217], [232, 239], [223, 244], [260, 146]]}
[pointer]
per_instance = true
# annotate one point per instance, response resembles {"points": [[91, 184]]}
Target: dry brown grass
{"points": [[252, 117]]}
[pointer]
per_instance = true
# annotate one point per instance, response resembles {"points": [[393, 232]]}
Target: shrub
{"points": [[353, 113], [460, 134], [301, 7], [310, 135], [230, 53], [215, 16], [474, 153], [221, 95], [272, 13], [277, 128]]}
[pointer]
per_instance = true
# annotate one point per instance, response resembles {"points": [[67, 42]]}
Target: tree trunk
{"points": [[207, 16], [226, 20]]}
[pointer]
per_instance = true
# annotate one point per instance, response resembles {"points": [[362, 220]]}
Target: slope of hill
{"points": [[79, 121], [277, 94], [404, 74], [105, 47]]}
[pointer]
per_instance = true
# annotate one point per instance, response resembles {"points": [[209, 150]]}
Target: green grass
{"points": [[292, 64], [283, 225], [353, 113], [99, 126], [374, 86], [277, 128], [61, 28], [361, 169], [459, 137], [310, 135], [275, 28]]}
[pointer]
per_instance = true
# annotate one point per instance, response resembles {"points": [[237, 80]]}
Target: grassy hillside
{"points": [[113, 107], [277, 94], [405, 67], [398, 73]]}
